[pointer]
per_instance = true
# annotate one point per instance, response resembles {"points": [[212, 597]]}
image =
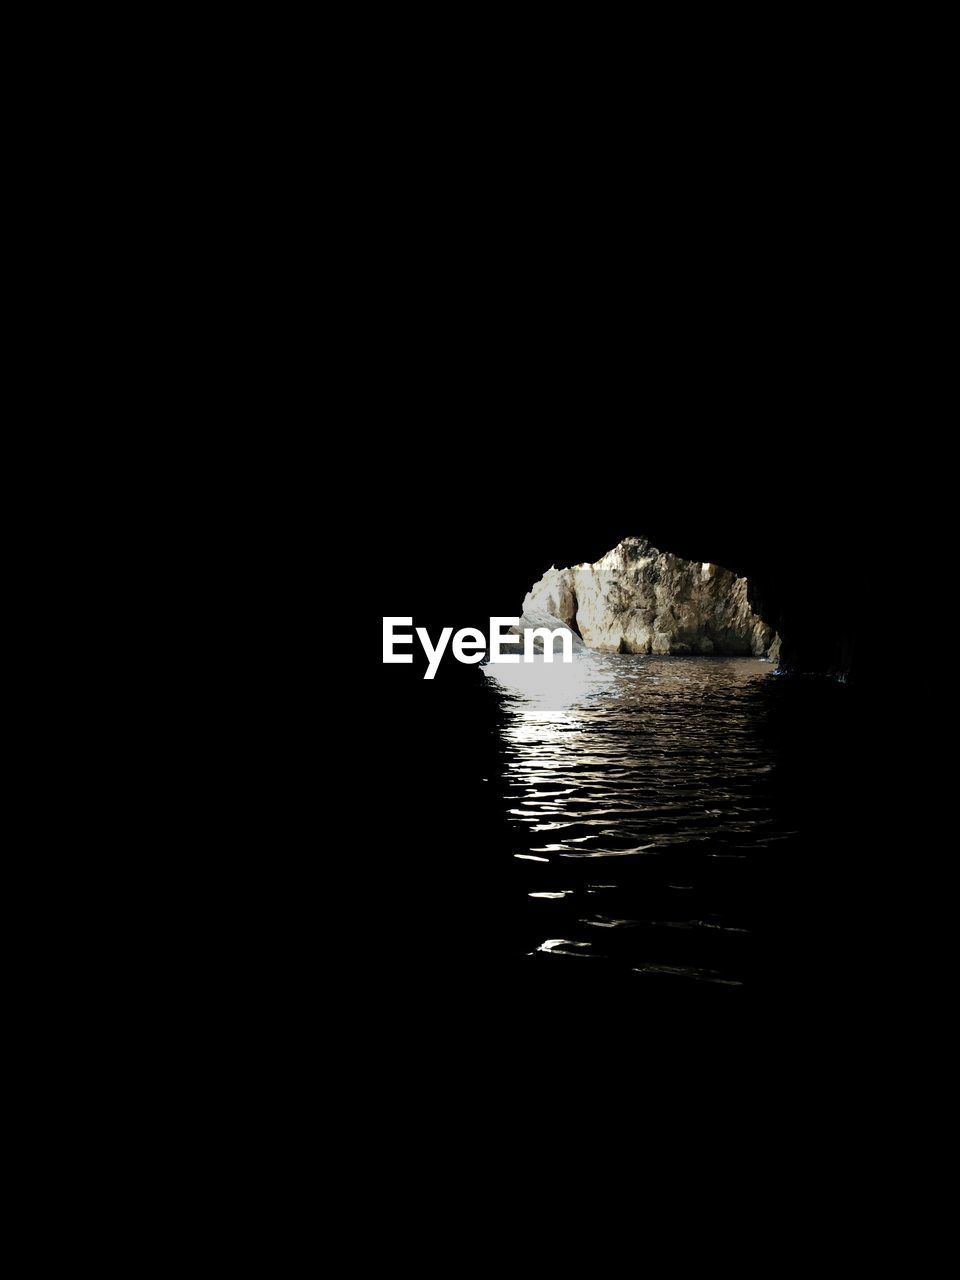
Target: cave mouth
{"points": [[639, 599]]}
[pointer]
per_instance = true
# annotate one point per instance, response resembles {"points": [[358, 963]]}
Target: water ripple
{"points": [[661, 766]]}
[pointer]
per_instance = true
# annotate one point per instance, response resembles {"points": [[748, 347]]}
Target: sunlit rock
{"points": [[637, 599], [536, 618]]}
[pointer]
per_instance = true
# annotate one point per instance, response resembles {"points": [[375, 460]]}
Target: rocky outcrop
{"points": [[536, 618], [637, 599]]}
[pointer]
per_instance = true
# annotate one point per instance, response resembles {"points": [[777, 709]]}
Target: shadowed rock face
{"points": [[638, 599]]}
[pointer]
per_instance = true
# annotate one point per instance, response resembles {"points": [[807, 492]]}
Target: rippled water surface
{"points": [[641, 800]]}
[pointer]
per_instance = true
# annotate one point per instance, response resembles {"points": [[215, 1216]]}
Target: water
{"points": [[662, 817]]}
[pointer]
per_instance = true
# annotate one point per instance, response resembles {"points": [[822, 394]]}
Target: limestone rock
{"points": [[540, 618], [637, 599]]}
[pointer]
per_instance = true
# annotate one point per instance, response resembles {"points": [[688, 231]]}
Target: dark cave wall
{"points": [[814, 620]]}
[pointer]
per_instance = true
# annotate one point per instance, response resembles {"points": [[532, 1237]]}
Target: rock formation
{"points": [[637, 599], [535, 618]]}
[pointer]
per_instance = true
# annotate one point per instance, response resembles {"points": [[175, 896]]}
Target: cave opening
{"points": [[636, 598]]}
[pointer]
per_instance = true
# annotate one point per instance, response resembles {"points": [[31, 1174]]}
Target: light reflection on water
{"points": [[658, 769]]}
